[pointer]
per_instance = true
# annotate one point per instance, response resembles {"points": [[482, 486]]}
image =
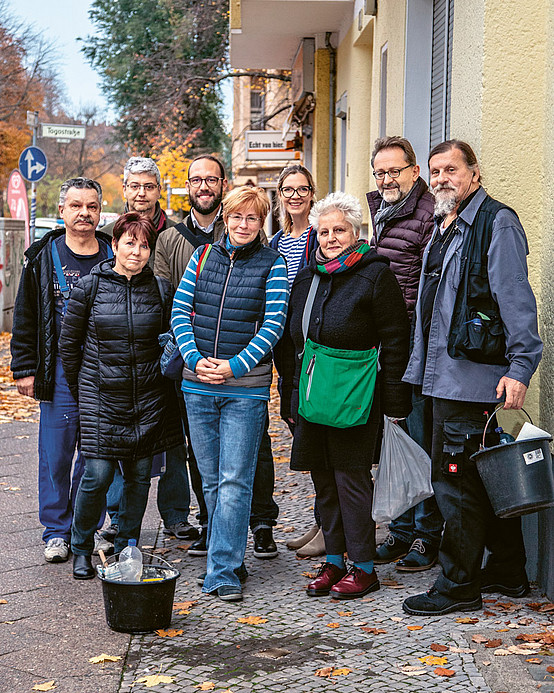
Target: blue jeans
{"points": [[226, 434], [91, 500], [173, 496], [58, 475], [424, 520]]}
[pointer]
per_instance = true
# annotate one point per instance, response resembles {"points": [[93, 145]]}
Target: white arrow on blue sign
{"points": [[33, 164]]}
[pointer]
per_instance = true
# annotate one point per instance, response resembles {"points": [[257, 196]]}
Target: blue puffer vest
{"points": [[229, 299]]}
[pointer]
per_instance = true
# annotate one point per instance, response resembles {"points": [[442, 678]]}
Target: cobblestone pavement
{"points": [[367, 644], [52, 625]]}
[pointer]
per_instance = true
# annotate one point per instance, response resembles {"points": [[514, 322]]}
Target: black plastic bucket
{"points": [[518, 476], [141, 607]]}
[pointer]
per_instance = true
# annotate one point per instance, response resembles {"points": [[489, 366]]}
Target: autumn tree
{"points": [[27, 82], [160, 62]]}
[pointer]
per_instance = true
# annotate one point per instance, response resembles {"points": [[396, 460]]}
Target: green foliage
{"points": [[160, 62]]}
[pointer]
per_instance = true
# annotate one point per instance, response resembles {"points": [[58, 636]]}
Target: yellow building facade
{"points": [[430, 70]]}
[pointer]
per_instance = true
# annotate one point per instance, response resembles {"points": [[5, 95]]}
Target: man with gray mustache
{"points": [[476, 344]]}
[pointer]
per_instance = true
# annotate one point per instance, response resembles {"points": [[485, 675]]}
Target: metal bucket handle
{"points": [[151, 555], [498, 408]]}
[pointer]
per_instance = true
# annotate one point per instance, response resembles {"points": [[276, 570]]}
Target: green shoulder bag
{"points": [[336, 385]]}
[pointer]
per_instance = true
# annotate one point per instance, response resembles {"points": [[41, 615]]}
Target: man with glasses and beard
{"points": [[476, 344], [206, 187]]}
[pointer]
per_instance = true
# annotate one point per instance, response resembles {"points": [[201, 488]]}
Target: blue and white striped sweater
{"points": [[277, 293]]}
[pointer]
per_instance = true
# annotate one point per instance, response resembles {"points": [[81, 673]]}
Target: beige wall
{"points": [[390, 29], [547, 303], [320, 135]]}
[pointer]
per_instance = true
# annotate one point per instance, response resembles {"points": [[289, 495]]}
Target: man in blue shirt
{"points": [[52, 267]]}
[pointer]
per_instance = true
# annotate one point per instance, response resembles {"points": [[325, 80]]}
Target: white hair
{"points": [[140, 164], [341, 202]]}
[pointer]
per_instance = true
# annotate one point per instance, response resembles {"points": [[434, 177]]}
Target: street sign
{"points": [[267, 145], [67, 132], [33, 164], [32, 119], [17, 201], [179, 191]]}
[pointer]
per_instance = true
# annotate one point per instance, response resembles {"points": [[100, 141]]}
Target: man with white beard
{"points": [[476, 344]]}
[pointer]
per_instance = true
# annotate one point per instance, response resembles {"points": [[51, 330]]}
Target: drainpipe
{"points": [[332, 79]]}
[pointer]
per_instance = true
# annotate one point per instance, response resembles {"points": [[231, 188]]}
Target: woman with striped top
{"points": [[228, 313], [297, 239]]}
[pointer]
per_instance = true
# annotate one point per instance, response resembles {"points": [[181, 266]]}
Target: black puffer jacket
{"points": [[110, 355]]}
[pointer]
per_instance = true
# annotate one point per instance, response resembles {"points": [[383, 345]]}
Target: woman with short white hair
{"points": [[346, 309]]}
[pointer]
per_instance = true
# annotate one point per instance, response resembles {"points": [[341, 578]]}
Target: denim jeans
{"points": [[226, 434], [424, 520], [91, 499], [173, 497], [58, 474]]}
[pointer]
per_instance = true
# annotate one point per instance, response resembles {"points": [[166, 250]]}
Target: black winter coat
{"points": [[405, 237], [357, 309], [111, 359], [33, 345]]}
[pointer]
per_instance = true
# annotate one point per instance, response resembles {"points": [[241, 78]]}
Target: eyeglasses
{"points": [[148, 187], [302, 191], [197, 181], [391, 173], [238, 219]]}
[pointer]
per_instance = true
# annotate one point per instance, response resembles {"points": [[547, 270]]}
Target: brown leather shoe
{"points": [[327, 576], [356, 583]]}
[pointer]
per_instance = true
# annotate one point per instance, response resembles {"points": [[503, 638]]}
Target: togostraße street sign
{"points": [[66, 132], [33, 164]]}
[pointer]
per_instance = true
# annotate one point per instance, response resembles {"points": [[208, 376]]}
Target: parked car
{"points": [[45, 224]]}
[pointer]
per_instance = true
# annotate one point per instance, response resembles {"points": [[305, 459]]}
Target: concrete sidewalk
{"points": [[51, 624]]}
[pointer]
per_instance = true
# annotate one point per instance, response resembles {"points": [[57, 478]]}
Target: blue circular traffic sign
{"points": [[32, 164]]}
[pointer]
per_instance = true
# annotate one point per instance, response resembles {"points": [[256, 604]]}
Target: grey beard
{"points": [[445, 205]]}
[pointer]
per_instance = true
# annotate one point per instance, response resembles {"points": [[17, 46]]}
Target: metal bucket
{"points": [[141, 607], [518, 476]]}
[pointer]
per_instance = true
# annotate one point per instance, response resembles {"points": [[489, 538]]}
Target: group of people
{"points": [[431, 323]]}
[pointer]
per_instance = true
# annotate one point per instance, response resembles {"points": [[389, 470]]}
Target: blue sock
{"points": [[337, 560], [366, 566]]}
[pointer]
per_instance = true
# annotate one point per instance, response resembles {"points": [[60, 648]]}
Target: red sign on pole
{"points": [[17, 201]]}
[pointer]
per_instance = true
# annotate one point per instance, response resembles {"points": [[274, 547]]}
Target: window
{"points": [[383, 93], [441, 70], [257, 104]]}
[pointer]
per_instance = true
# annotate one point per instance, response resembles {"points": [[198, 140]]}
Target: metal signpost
{"points": [[33, 166]]}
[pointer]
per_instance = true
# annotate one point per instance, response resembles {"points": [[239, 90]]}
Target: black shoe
{"points": [[491, 581], [391, 550], [433, 603], [82, 568], [421, 556], [182, 530], [264, 546], [240, 572], [200, 547], [110, 533]]}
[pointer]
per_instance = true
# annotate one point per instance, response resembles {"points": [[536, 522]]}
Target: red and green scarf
{"points": [[349, 257]]}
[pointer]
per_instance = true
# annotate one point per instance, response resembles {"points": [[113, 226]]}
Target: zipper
{"points": [[221, 305], [133, 357], [310, 374]]}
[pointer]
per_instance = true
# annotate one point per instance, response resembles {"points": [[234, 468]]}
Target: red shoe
{"points": [[356, 583], [328, 575]]}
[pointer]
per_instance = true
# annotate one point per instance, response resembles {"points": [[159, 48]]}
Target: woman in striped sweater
{"points": [[228, 313]]}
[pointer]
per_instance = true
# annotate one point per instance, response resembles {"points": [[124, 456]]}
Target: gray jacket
{"points": [[466, 381]]}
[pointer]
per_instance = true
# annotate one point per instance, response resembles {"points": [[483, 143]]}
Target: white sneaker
{"points": [[57, 550], [101, 544]]}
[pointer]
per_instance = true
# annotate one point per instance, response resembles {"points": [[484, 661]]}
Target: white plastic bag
{"points": [[403, 478]]}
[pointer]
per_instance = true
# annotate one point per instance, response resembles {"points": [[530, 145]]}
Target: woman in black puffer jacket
{"points": [[110, 355]]}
